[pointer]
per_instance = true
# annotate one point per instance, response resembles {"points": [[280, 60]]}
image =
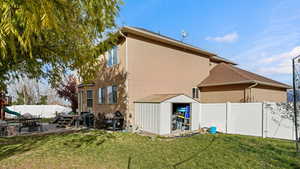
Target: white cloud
{"points": [[228, 38], [287, 55], [285, 67], [281, 63], [270, 49]]}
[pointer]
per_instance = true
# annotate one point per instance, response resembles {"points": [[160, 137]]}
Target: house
{"points": [[227, 83], [146, 63]]}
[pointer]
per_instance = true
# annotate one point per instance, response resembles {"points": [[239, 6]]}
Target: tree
{"points": [[25, 91], [67, 90], [45, 38], [43, 100]]}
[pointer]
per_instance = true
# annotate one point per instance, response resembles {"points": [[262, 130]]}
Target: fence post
{"points": [[263, 119], [228, 111], [200, 116]]}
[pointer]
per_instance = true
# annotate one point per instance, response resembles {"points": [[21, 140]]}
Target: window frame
{"points": [[112, 99], [88, 99], [113, 56], [102, 98], [80, 101]]}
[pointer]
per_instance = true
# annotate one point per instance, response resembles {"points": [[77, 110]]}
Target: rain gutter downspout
{"points": [[250, 87], [126, 69]]}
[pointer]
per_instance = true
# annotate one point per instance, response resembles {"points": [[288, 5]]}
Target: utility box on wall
{"points": [[164, 114]]}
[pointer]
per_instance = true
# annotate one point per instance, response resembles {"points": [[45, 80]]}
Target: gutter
{"points": [[126, 70], [250, 91], [246, 82], [161, 38]]}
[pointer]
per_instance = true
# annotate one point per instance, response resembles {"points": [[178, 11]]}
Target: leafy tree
{"points": [[24, 96], [67, 90], [43, 100], [45, 38]]}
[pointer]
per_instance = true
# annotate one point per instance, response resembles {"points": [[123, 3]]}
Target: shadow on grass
{"points": [[194, 155], [129, 162], [18, 145], [71, 140], [268, 152]]}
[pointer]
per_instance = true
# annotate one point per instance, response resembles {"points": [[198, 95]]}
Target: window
{"points": [[101, 95], [195, 93], [80, 107], [113, 57], [112, 94], [89, 97]]}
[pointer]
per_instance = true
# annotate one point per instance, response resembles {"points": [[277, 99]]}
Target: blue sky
{"points": [[259, 35]]}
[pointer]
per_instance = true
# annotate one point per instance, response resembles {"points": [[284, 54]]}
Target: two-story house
{"points": [[146, 63]]}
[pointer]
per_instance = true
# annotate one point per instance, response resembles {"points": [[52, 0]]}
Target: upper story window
{"points": [[112, 92], [89, 98], [113, 57], [195, 92], [101, 95]]}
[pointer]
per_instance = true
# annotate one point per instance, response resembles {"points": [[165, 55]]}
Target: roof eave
{"points": [[149, 35], [245, 82], [218, 59], [86, 85]]}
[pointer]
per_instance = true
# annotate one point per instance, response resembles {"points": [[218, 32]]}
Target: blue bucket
{"points": [[213, 130]]}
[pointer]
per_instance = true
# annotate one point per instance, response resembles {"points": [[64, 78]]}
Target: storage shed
{"points": [[164, 114]]}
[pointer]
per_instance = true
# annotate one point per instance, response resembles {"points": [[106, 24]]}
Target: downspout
{"points": [[126, 68], [250, 87]]}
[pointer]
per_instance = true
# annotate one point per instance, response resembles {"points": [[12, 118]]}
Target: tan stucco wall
{"points": [[264, 93], [241, 93], [155, 68], [108, 76], [222, 94]]}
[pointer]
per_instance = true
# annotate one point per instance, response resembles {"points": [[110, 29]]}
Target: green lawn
{"points": [[98, 149]]}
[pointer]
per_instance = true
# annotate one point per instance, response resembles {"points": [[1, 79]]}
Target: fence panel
{"points": [[254, 119], [276, 124], [245, 119], [213, 115]]}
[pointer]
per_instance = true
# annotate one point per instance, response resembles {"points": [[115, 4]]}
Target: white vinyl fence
{"points": [[254, 119]]}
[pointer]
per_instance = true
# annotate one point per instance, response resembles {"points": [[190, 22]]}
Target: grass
{"points": [[99, 149]]}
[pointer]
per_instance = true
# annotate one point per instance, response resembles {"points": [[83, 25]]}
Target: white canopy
{"points": [[43, 111]]}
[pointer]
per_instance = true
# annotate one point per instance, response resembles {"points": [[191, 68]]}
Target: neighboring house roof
{"points": [[225, 74], [158, 98], [161, 38]]}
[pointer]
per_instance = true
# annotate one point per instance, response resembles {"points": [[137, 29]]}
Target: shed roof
{"points": [[226, 74], [158, 98]]}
